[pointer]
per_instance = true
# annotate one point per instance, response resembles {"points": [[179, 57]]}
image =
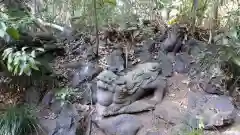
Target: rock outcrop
{"points": [[212, 110]]}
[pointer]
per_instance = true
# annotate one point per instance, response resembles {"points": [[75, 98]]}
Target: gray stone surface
{"points": [[182, 63], [85, 73], [60, 119], [212, 110], [171, 40], [32, 95], [213, 86], [135, 107], [170, 112], [120, 125], [47, 98], [165, 63], [115, 61], [143, 52]]}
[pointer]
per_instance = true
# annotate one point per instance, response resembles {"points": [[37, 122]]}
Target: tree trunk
{"points": [[215, 21], [96, 26]]}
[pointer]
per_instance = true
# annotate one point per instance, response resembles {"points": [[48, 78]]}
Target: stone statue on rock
{"points": [[116, 92]]}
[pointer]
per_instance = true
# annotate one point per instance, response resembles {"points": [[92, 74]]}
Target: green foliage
{"points": [[190, 128], [189, 10], [108, 12], [190, 131], [16, 19], [105, 11], [18, 121], [20, 62], [228, 45], [64, 94], [13, 33], [186, 130], [232, 18], [199, 130], [160, 4], [17, 61], [112, 2], [196, 132]]}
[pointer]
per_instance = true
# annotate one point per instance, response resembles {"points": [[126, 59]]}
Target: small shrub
{"points": [[17, 120], [20, 62], [64, 94]]}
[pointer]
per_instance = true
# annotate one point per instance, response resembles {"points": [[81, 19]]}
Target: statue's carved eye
{"points": [[154, 67]]}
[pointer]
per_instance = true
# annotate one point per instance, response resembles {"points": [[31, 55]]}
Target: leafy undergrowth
{"points": [[196, 132], [18, 120]]}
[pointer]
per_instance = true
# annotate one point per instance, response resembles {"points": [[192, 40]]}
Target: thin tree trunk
{"points": [[96, 26], [215, 14], [213, 19], [194, 13]]}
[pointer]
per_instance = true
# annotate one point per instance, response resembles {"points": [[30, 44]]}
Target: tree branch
{"points": [[52, 25]]}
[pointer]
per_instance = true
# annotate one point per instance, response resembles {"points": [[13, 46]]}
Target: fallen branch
{"points": [[89, 128], [52, 25]]}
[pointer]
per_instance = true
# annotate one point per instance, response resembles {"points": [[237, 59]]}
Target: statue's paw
{"points": [[114, 108], [111, 110], [152, 101]]}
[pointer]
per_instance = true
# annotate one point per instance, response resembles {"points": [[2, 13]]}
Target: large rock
{"points": [[173, 43], [85, 94], [165, 63], [85, 73], [32, 95], [182, 63], [169, 112], [115, 61], [57, 118], [67, 121], [194, 47], [143, 52], [235, 128], [213, 86], [82, 80], [124, 124], [213, 110], [48, 98]]}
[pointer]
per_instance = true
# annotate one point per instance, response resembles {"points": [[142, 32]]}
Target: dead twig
{"points": [[210, 37], [89, 129]]}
